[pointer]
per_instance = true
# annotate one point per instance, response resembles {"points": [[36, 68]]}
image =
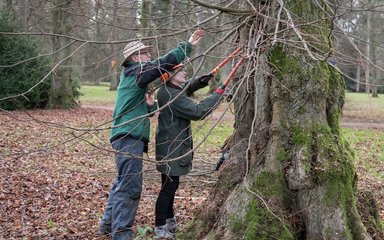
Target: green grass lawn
{"points": [[211, 138], [364, 106], [368, 146], [97, 94]]}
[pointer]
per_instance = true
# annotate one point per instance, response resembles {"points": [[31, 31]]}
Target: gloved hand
{"points": [[204, 79]]}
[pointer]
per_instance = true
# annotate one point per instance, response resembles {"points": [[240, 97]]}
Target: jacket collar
{"points": [[129, 66], [174, 86]]}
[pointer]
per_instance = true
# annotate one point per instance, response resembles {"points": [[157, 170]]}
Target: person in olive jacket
{"points": [[130, 131], [174, 139]]}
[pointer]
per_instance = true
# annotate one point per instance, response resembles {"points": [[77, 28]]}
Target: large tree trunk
{"points": [[61, 94], [290, 172]]}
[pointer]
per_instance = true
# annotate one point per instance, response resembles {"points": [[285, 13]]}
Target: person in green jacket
{"points": [[174, 139], [130, 130]]}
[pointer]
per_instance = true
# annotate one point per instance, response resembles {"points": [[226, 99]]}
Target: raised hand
{"points": [[196, 36]]}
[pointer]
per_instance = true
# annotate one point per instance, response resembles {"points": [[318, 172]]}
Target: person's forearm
{"points": [[152, 70]]}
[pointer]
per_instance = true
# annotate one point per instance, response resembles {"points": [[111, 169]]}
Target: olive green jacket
{"points": [[173, 134]]}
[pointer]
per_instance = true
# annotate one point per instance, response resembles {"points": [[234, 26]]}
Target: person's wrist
{"points": [[152, 103]]}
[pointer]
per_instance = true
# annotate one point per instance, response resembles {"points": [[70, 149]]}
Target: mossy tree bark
{"points": [[290, 173]]}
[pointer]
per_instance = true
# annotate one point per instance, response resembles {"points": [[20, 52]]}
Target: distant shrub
{"points": [[17, 73]]}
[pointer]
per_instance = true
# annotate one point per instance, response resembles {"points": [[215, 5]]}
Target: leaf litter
{"points": [[54, 184], [54, 180]]}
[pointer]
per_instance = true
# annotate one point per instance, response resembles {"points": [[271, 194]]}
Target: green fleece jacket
{"points": [[130, 107]]}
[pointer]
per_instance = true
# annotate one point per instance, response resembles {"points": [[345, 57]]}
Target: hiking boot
{"points": [[104, 229], [162, 232], [171, 224]]}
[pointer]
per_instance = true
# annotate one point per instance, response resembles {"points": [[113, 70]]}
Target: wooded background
{"points": [[84, 39], [289, 162]]}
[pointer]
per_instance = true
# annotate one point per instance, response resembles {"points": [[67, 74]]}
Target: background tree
{"points": [[359, 37], [113, 70], [61, 93], [20, 69]]}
